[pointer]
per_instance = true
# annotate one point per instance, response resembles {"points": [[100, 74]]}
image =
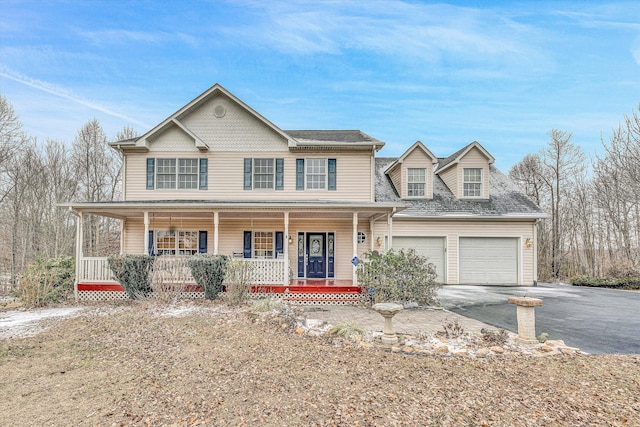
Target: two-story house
{"points": [[217, 177]]}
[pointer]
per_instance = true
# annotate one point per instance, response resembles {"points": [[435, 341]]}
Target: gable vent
{"points": [[219, 111]]}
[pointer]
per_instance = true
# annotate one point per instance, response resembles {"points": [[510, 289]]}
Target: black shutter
{"points": [[331, 165], [279, 243], [151, 245], [151, 173], [247, 173], [299, 174], [204, 174], [202, 242], [279, 174], [247, 244]]}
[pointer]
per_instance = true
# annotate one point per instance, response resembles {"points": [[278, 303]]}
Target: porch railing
{"points": [[263, 272], [95, 269]]}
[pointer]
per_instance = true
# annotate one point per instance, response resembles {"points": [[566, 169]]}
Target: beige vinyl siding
{"points": [[226, 178], [134, 236], [418, 159], [453, 230], [231, 236], [238, 130], [450, 178], [175, 139], [396, 178], [474, 159]]}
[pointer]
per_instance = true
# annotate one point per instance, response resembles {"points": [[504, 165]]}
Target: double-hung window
{"points": [[263, 244], [187, 173], [263, 174], [316, 174], [416, 182], [472, 182], [182, 174], [166, 176], [176, 242]]}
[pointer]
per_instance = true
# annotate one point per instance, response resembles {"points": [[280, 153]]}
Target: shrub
{"points": [[399, 276], [452, 329], [607, 282], [169, 277], [209, 272], [133, 273], [350, 331], [47, 281], [238, 281]]}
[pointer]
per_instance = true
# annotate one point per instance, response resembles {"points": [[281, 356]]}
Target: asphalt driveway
{"points": [[594, 320]]}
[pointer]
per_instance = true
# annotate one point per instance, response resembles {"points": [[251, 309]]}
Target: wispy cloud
{"points": [[63, 93], [117, 36], [413, 31]]}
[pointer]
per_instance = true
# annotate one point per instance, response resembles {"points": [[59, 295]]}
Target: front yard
{"points": [[147, 363]]}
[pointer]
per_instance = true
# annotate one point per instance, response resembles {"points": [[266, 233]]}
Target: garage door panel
{"points": [[431, 247], [488, 260]]}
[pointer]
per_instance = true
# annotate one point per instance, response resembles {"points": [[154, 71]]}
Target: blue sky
{"points": [[501, 73]]}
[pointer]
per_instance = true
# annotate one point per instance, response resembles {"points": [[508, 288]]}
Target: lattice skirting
{"points": [[116, 295], [293, 297]]}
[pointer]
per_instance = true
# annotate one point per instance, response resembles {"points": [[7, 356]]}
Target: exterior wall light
{"points": [[529, 242]]}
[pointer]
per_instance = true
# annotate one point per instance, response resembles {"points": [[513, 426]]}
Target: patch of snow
{"points": [[25, 323]]}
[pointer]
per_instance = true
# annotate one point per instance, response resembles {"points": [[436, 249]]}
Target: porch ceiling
{"points": [[248, 210]]}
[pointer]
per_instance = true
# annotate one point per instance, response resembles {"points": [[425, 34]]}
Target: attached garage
{"points": [[432, 247], [491, 260]]}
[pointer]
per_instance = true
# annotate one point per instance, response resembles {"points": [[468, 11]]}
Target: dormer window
{"points": [[416, 182], [472, 182]]}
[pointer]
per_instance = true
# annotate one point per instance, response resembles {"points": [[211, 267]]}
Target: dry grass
{"points": [[144, 363]]}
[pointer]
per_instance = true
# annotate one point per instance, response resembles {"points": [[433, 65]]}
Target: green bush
{"points": [[398, 276], [238, 281], [47, 280], [209, 272], [133, 273], [627, 283]]}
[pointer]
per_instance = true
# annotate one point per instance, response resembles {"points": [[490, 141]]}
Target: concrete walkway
{"points": [[408, 321]]}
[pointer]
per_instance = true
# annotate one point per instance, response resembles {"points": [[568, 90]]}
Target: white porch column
{"points": [[122, 225], [389, 231], [146, 233], [355, 247], [372, 223], [216, 222], [79, 272], [286, 249]]}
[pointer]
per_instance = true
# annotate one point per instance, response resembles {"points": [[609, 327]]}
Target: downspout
{"points": [[373, 173], [535, 252], [124, 175]]}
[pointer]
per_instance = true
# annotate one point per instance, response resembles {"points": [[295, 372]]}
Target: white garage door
{"points": [[488, 260], [432, 247]]}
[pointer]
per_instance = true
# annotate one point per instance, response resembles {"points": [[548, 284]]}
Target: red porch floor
{"points": [[306, 286]]}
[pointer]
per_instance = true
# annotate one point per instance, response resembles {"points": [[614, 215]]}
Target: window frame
{"points": [[174, 180], [175, 238], [476, 186], [411, 181], [254, 174], [271, 239], [195, 177], [161, 173], [325, 174]]}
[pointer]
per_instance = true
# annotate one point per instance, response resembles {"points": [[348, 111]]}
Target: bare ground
{"points": [[208, 364]]}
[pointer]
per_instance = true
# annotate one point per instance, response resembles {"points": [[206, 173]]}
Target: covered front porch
{"points": [[295, 250]]}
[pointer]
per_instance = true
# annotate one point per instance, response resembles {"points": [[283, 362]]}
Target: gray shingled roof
{"points": [[505, 198], [331, 135]]}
